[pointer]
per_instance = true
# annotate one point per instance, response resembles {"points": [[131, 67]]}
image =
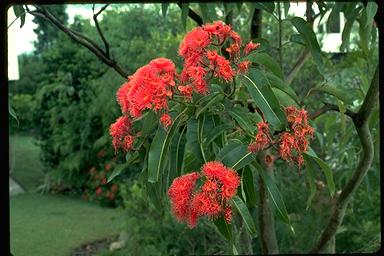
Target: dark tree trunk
{"points": [[256, 24]]}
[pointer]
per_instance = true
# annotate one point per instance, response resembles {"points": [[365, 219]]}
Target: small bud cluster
{"points": [[291, 143], [211, 199]]}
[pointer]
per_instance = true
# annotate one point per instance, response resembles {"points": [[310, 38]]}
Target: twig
{"points": [[305, 53], [297, 66], [327, 107], [106, 45], [80, 38], [193, 15], [361, 122]]}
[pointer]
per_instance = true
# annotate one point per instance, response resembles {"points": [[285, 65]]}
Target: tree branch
{"points": [[106, 45], [305, 53], [297, 66], [266, 220], [193, 15], [361, 122], [79, 38], [327, 107]]}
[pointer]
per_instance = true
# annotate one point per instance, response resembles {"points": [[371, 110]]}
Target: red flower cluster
{"points": [[262, 138], [292, 143], [97, 187], [149, 87], [296, 139], [200, 49], [120, 131], [220, 185]]}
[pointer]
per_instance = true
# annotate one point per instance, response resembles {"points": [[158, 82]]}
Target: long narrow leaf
{"points": [[244, 212], [261, 101], [326, 169], [274, 194], [309, 37], [159, 149], [267, 61]]}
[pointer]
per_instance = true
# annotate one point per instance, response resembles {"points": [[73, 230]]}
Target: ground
{"points": [[46, 224]]}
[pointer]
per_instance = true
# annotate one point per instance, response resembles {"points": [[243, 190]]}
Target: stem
{"points": [[361, 122], [266, 221], [280, 35]]}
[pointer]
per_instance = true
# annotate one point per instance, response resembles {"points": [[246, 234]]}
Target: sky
{"points": [[26, 32]]}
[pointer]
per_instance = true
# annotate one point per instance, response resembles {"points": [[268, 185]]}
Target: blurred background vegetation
{"points": [[65, 99]]}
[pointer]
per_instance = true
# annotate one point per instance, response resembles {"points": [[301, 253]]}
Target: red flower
{"points": [[210, 200], [228, 215], [128, 142], [250, 47], [287, 142], [103, 181], [262, 139], [166, 120], [119, 130], [242, 67], [99, 190], [180, 193], [114, 188], [107, 167]]}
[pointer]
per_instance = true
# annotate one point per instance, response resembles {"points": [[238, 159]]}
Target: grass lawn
{"points": [[24, 162], [54, 225], [47, 224]]}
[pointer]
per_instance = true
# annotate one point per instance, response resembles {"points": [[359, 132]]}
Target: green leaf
{"points": [[326, 169], [267, 61], [208, 12], [310, 39], [261, 92], [249, 186], [370, 10], [297, 38], [215, 97], [274, 194], [286, 8], [184, 14], [159, 148], [19, 13], [335, 91], [311, 179], [12, 112], [216, 132], [149, 122], [350, 13], [176, 156], [281, 85], [244, 212], [164, 8], [241, 117], [116, 171], [266, 6], [193, 158], [224, 228], [334, 15], [283, 98], [235, 157]]}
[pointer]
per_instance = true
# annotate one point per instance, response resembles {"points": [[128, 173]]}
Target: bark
{"points": [[361, 122], [256, 24], [265, 215]]}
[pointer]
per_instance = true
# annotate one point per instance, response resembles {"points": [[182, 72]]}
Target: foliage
{"points": [[24, 105], [218, 120]]}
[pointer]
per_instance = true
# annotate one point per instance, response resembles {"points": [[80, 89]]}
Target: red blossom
{"points": [[242, 67], [250, 47], [220, 185], [166, 120]]}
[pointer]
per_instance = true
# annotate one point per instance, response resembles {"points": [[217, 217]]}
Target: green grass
{"points": [[54, 225], [25, 165], [46, 224]]}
